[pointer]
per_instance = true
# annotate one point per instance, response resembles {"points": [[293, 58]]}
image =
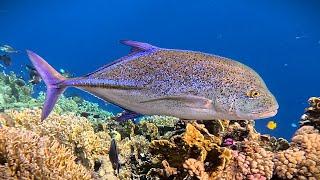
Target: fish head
{"points": [[255, 102]]}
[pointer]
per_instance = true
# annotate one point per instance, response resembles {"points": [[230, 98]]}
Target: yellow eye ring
{"points": [[253, 93]]}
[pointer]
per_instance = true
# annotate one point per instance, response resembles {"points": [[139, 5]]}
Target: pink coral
{"points": [[302, 159], [253, 162]]}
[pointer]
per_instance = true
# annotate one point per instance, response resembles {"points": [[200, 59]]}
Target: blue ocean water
{"points": [[279, 39]]}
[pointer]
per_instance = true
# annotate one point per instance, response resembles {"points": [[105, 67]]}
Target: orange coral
{"points": [[196, 168], [26, 155], [196, 150], [169, 170], [197, 135]]}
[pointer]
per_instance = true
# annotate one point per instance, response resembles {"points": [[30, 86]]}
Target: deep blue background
{"points": [[279, 39]]}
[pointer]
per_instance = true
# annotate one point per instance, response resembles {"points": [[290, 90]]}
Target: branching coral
{"points": [[302, 159], [26, 155], [74, 132]]}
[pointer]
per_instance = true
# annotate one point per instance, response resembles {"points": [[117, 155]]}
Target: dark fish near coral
{"points": [[34, 76], [20, 82], [114, 155], [157, 81], [6, 59]]}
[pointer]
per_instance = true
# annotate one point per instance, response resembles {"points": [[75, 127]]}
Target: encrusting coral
{"points": [[26, 155]]}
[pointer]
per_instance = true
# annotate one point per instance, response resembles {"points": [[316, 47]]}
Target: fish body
{"points": [[271, 125], [33, 75], [158, 81], [6, 59], [114, 155]]}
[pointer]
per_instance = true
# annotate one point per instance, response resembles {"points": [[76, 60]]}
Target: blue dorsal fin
{"points": [[137, 46]]}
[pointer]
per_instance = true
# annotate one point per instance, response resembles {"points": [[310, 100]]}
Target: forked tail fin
{"points": [[53, 80]]}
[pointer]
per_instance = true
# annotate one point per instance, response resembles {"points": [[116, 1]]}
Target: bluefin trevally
{"points": [[156, 81]]}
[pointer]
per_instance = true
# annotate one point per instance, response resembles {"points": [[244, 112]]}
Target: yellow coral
{"points": [[26, 155], [198, 146], [194, 137], [74, 132], [301, 160]]}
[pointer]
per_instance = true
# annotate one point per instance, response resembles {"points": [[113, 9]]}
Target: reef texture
{"points": [[302, 159], [14, 91], [26, 155], [312, 114], [74, 142]]}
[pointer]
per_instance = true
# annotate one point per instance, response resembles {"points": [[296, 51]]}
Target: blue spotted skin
{"points": [[159, 73], [157, 81]]}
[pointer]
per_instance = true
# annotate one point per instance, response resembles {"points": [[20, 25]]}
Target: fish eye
{"points": [[253, 93]]}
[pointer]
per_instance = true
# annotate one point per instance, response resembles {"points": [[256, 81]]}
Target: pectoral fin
{"points": [[187, 101]]}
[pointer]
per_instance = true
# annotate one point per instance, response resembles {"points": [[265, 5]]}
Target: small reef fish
{"points": [[272, 125], [158, 81], [34, 76], [114, 155], [294, 125], [8, 49], [6, 59]]}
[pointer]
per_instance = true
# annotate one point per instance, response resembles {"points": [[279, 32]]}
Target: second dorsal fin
{"points": [[137, 46]]}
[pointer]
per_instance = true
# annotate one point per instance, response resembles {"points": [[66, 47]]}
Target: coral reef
{"points": [[302, 159], [26, 155], [312, 114], [79, 107], [72, 131], [14, 91], [195, 151], [73, 143]]}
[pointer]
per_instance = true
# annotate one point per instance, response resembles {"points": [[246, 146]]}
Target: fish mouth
{"points": [[259, 115], [266, 114]]}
